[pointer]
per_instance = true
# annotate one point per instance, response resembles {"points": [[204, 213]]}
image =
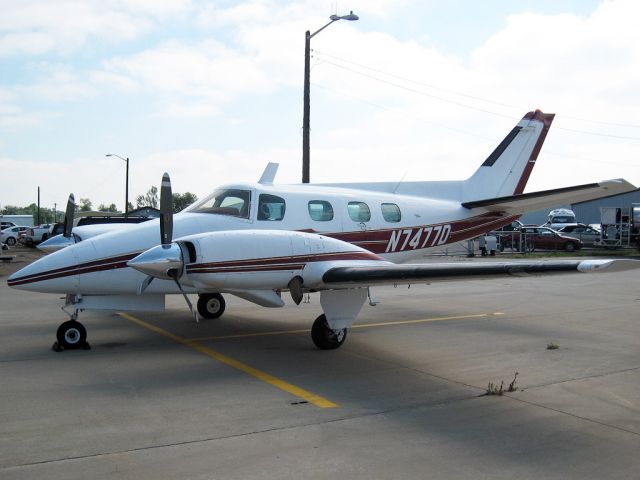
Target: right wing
{"points": [[350, 276]]}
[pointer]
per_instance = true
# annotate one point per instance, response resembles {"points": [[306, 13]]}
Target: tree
{"points": [[110, 208], [85, 205], [149, 199], [182, 201]]}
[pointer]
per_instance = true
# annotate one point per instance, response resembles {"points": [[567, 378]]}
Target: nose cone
{"points": [[55, 273], [159, 261], [56, 243]]}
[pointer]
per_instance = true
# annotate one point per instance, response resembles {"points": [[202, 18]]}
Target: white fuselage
{"points": [[398, 228]]}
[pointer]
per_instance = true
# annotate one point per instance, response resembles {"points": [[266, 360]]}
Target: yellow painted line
{"points": [[363, 325], [312, 398], [425, 320]]}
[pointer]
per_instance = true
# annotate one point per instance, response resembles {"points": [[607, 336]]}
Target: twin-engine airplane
{"points": [[256, 241]]}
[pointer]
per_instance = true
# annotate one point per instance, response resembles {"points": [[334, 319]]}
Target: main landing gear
{"points": [[324, 337], [71, 335], [211, 305]]}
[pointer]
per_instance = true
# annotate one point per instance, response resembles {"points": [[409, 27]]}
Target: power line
{"points": [[465, 132], [494, 102]]}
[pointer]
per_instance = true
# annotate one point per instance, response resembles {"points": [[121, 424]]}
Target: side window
{"points": [[391, 212], [270, 207], [320, 210], [359, 211]]}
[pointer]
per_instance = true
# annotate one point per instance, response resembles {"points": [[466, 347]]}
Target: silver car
{"points": [[587, 234]]}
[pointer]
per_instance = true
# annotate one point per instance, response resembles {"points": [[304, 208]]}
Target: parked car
{"points": [[11, 235], [35, 235], [587, 234], [5, 224], [541, 238]]}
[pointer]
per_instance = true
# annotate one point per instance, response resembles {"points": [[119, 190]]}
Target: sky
{"points": [[210, 91]]}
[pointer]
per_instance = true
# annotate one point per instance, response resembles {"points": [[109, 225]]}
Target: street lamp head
{"points": [[351, 17], [117, 156]]}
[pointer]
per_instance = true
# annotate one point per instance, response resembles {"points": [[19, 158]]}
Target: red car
{"points": [[543, 238]]}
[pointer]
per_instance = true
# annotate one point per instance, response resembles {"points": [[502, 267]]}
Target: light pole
{"points": [[307, 107], [126, 188]]}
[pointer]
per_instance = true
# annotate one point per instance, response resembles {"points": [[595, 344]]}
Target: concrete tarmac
{"points": [[160, 397]]}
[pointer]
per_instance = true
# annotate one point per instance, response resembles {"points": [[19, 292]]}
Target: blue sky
{"points": [[212, 91]]}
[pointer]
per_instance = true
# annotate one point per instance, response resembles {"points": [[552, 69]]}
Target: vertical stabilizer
{"points": [[506, 171]]}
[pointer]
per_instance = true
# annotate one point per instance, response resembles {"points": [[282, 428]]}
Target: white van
{"points": [[559, 217]]}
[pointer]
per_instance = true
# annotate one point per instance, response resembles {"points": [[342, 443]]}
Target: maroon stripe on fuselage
{"points": [[281, 263], [375, 241], [94, 266]]}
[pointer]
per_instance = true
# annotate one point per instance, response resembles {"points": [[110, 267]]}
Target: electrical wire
{"points": [[460, 104]]}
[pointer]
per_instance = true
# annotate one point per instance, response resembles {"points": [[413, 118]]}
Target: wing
{"points": [[526, 202], [357, 275]]}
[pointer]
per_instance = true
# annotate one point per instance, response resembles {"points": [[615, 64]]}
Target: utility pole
{"points": [[306, 160]]}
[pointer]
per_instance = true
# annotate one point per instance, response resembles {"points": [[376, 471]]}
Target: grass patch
{"points": [[494, 389]]}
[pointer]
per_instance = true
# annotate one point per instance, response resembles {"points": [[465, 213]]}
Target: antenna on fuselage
{"points": [[398, 185]]}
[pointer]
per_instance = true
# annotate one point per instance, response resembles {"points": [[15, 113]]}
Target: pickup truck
{"points": [[36, 235]]}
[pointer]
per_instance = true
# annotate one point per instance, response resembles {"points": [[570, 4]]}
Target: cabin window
{"points": [[391, 212], [271, 208], [320, 210], [359, 211], [225, 201]]}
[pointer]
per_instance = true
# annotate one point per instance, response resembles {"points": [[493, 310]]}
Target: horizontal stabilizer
{"points": [[527, 202], [425, 273]]}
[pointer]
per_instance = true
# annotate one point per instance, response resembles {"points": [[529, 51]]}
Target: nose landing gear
{"points": [[71, 335]]}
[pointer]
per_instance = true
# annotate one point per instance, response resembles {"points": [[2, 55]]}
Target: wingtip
{"points": [[608, 265]]}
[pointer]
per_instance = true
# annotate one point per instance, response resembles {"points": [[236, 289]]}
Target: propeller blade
{"points": [[68, 216], [175, 279], [145, 283], [166, 211]]}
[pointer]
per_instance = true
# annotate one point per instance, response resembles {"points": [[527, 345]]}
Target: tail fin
{"points": [[506, 171]]}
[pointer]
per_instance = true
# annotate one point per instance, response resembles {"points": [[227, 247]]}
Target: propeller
{"points": [[68, 216], [65, 239], [166, 260]]}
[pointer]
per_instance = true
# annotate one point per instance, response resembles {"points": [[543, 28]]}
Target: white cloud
{"points": [[64, 26]]}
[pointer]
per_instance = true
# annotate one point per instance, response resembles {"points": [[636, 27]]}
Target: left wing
{"points": [[527, 202], [357, 275]]}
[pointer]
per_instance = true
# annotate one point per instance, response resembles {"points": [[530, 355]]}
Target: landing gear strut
{"points": [[324, 337], [211, 305], [71, 335]]}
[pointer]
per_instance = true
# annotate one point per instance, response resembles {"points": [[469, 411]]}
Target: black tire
{"points": [[44, 237], [71, 334], [324, 337], [11, 241], [211, 305], [570, 247]]}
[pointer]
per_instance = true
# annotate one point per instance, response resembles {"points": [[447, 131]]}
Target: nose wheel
{"points": [[71, 335], [326, 338]]}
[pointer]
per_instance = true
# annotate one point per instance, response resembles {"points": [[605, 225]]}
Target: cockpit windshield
{"points": [[224, 201]]}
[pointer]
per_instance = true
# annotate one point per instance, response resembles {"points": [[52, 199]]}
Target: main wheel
{"points": [[11, 241], [326, 338], [71, 334], [211, 305], [569, 247]]}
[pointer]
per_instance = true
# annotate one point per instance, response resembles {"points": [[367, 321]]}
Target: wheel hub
{"points": [[72, 335]]}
